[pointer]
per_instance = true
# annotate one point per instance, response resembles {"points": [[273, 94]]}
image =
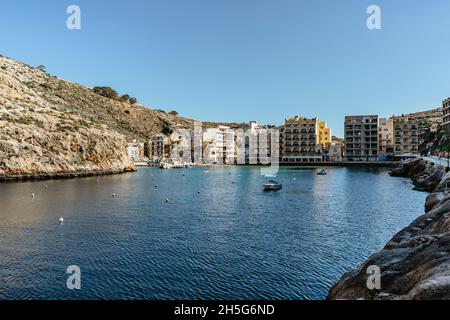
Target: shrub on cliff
{"points": [[125, 97], [133, 100], [106, 92]]}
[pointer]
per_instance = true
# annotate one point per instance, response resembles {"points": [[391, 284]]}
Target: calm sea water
{"points": [[219, 237]]}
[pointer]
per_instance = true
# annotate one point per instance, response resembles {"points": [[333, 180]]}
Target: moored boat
{"points": [[272, 186]]}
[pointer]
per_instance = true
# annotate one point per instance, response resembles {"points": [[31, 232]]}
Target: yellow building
{"points": [[324, 135]]}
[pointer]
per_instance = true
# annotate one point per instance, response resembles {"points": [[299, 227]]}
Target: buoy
{"points": [[61, 220], [156, 186], [167, 199], [46, 186], [33, 195], [198, 192], [113, 195]]}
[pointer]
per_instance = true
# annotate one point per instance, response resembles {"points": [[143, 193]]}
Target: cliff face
{"points": [[43, 134], [415, 264]]}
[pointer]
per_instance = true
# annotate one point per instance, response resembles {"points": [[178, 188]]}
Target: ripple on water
{"points": [[230, 241]]}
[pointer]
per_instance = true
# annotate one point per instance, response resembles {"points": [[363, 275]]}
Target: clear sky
{"points": [[241, 60]]}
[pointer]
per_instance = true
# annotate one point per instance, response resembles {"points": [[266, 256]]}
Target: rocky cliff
{"points": [[415, 264], [51, 127]]}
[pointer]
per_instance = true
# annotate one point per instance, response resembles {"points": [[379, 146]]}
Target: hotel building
{"points": [[300, 140], [361, 138]]}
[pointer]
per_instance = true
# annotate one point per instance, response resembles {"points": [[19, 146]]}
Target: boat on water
{"points": [[165, 165], [272, 186], [270, 176], [322, 173]]}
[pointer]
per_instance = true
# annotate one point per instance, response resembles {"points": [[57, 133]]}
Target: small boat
{"points": [[270, 176], [322, 173], [272, 186]]}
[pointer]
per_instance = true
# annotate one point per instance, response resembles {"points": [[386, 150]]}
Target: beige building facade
{"points": [[361, 138]]}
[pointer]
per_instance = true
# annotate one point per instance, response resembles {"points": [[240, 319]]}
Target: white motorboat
{"points": [[272, 186]]}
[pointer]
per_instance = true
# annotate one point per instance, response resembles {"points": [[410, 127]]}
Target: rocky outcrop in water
{"points": [[425, 175], [415, 264]]}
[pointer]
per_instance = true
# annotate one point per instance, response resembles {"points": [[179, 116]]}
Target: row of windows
{"points": [[302, 131], [302, 150], [288, 144], [303, 138]]}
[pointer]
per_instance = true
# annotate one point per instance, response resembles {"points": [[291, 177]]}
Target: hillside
{"points": [[26, 86], [51, 127]]}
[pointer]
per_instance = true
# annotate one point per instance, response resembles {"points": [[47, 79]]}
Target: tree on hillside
{"points": [[173, 113], [42, 68], [133, 100], [106, 92], [125, 97]]}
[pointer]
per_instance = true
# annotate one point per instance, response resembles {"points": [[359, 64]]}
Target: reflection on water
{"points": [[219, 237]]}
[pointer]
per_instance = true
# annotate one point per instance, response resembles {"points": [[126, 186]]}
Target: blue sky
{"points": [[241, 60]]}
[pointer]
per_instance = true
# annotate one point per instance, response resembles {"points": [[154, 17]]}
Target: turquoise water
{"points": [[218, 237]]}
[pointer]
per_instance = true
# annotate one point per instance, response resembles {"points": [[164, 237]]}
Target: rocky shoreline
{"points": [[415, 264], [62, 175]]}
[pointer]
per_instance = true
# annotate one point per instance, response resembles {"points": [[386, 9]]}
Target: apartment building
{"points": [[446, 114], [301, 140], [257, 143], [386, 137], [219, 145], [406, 135], [361, 138]]}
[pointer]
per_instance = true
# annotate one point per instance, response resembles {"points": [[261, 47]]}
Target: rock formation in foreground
{"points": [[415, 264]]}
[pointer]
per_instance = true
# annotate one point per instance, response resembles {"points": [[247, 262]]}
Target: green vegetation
{"points": [[431, 141], [106, 92], [110, 93], [42, 68], [125, 97]]}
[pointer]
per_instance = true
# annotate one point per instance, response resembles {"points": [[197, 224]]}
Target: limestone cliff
{"points": [[415, 264], [45, 134]]}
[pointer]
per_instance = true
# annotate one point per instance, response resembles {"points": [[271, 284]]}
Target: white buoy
{"points": [[61, 220], [113, 195], [33, 195]]}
